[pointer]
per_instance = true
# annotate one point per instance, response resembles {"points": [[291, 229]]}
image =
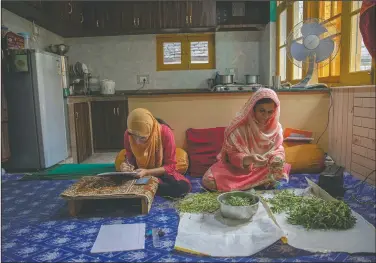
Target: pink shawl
{"points": [[244, 135]]}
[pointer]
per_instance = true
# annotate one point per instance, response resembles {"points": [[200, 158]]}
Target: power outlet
{"points": [[141, 79]]}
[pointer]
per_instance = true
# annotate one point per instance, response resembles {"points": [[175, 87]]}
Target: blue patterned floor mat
{"points": [[35, 227]]}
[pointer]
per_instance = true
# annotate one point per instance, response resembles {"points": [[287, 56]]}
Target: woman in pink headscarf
{"points": [[252, 153]]}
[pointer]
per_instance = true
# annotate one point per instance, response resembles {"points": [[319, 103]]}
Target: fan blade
{"points": [[298, 51], [312, 29], [324, 49]]}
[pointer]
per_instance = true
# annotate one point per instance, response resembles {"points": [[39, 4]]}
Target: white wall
{"points": [[122, 58], [268, 54], [18, 24]]}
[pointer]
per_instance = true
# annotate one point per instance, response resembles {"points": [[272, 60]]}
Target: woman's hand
{"points": [[142, 173], [126, 167], [255, 159]]}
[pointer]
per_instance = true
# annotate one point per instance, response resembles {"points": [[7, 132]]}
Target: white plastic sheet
{"points": [[360, 239], [216, 236]]}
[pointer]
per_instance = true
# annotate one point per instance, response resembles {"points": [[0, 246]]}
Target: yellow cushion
{"points": [[120, 158], [305, 158], [182, 161]]}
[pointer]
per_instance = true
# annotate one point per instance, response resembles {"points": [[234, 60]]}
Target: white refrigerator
{"points": [[34, 82]]}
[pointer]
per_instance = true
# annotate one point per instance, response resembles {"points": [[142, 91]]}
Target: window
{"points": [[330, 14], [352, 62], [298, 9], [290, 14], [282, 29], [360, 58], [185, 52]]}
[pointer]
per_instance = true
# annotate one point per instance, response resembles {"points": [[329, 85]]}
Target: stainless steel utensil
{"points": [[252, 79], [276, 82], [225, 79], [62, 49], [238, 212]]}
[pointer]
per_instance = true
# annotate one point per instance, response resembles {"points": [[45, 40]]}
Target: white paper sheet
{"points": [[119, 237], [213, 235]]}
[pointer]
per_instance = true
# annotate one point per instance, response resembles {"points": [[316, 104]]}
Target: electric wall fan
{"points": [[311, 43]]}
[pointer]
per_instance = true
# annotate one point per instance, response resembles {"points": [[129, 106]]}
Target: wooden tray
{"points": [[97, 187]]}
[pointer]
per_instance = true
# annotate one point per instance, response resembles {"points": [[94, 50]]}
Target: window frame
{"points": [[280, 8], [332, 78], [185, 40], [346, 77], [288, 5]]}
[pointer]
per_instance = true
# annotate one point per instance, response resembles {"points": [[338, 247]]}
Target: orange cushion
{"points": [[305, 158], [182, 161]]}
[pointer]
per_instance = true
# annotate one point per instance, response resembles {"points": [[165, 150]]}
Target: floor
{"points": [[105, 157], [36, 227]]}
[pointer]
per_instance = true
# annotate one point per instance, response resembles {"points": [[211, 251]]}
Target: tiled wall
{"points": [[267, 52], [122, 58], [18, 24], [352, 130]]}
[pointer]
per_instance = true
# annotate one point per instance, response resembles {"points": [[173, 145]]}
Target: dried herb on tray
{"points": [[239, 201], [199, 203], [312, 212]]}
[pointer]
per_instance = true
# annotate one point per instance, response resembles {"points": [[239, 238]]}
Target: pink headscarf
{"points": [[245, 135]]}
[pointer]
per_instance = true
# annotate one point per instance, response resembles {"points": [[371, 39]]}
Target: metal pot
{"points": [[238, 212], [252, 79], [225, 79]]}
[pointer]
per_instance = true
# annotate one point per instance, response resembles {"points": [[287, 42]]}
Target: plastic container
{"points": [[26, 37], [156, 239]]}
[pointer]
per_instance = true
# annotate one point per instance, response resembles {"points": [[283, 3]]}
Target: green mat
{"points": [[71, 171]]}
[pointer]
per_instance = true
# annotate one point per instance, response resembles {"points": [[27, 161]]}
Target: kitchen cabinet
{"points": [[106, 18], [68, 13], [145, 15], [200, 13], [242, 12], [82, 129], [109, 122], [187, 14]]}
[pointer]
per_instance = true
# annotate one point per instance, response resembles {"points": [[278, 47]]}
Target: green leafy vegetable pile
{"points": [[239, 201], [199, 203], [313, 212]]}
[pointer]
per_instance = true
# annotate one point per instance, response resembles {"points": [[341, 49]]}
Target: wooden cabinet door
{"points": [[98, 120], [224, 13], [83, 134], [118, 125], [109, 120], [201, 13], [173, 14], [127, 20]]}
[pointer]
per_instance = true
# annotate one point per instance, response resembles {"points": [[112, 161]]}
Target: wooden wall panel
{"points": [[352, 130]]}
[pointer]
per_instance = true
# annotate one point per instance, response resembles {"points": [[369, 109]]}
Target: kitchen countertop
{"points": [[131, 93]]}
